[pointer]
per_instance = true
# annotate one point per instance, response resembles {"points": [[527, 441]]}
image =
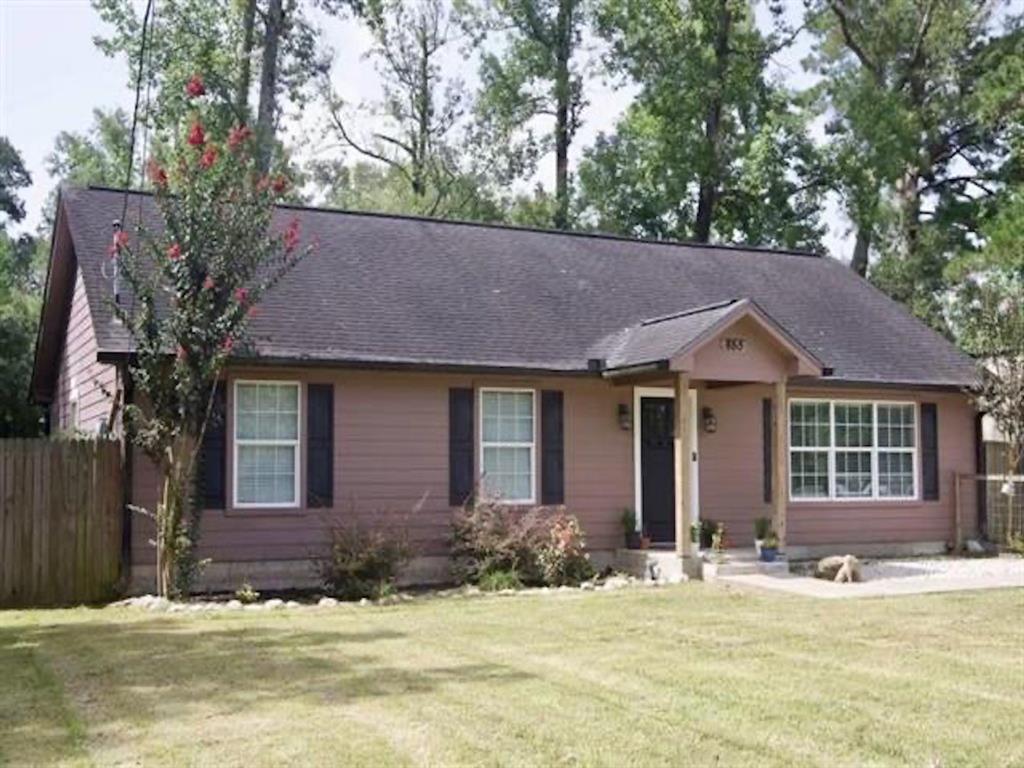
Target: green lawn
{"points": [[689, 675]]}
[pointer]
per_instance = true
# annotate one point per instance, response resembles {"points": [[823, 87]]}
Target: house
{"points": [[409, 358]]}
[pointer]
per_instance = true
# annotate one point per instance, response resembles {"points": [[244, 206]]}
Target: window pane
{"points": [[809, 478], [853, 474], [854, 425], [809, 425], [895, 474], [266, 474], [507, 417], [267, 412], [507, 472], [896, 426]]}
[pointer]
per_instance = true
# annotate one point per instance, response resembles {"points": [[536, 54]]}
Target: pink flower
{"points": [[238, 136], [174, 252], [209, 284], [228, 345], [241, 295], [209, 157], [196, 135], [262, 184], [280, 184], [291, 236], [195, 87]]}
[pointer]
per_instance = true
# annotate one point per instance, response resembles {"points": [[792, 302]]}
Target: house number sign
{"points": [[734, 344]]}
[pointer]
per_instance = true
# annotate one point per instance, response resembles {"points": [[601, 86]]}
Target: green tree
{"points": [[710, 148], [226, 40], [919, 135], [535, 72], [211, 262], [19, 301], [99, 155], [419, 130]]}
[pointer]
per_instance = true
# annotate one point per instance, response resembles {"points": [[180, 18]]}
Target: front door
{"points": [[657, 453], [657, 473]]}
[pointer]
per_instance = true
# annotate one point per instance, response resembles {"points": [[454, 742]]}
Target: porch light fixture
{"points": [[625, 422], [710, 420]]}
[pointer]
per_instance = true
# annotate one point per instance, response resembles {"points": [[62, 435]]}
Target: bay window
{"points": [[507, 444], [266, 441], [852, 450]]}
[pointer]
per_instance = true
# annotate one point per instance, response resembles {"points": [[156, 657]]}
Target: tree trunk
{"points": [[563, 96], [909, 195], [245, 59], [423, 109], [267, 113], [859, 262], [707, 193]]}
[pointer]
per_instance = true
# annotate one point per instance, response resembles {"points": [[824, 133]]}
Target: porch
{"points": [[698, 358]]}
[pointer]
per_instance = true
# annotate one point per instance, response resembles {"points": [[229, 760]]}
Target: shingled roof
{"points": [[385, 289]]}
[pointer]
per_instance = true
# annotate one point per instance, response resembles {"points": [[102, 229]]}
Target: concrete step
{"points": [[742, 567], [656, 565]]}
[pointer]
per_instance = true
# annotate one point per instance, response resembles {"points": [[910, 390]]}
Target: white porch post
{"points": [[683, 453], [780, 461]]}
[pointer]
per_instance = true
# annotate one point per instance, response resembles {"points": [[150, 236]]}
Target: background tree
{"points": [[223, 39], [710, 148], [419, 134], [917, 152], [535, 72], [211, 261], [19, 301]]}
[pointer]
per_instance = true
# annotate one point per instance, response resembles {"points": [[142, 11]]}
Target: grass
{"points": [[690, 675]]}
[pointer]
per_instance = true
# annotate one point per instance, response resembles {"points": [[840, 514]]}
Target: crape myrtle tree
{"points": [[196, 279]]}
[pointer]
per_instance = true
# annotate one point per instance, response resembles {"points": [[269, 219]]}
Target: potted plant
{"points": [[769, 547], [629, 529], [762, 527], [645, 539]]}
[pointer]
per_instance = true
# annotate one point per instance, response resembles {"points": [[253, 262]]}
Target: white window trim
{"points": [[235, 442], [831, 450], [531, 445]]}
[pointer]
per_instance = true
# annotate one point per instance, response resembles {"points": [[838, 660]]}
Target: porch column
{"points": [[683, 451], [780, 462]]}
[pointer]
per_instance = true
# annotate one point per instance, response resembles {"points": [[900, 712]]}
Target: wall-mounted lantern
{"points": [[625, 422], [710, 421]]}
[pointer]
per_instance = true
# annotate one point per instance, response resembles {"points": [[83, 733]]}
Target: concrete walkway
{"points": [[883, 578]]}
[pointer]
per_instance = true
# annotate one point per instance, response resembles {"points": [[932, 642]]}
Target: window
{"points": [[266, 444], [507, 443], [852, 450]]}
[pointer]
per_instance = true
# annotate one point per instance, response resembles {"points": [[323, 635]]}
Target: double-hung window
{"points": [[266, 439], [852, 450], [507, 444]]}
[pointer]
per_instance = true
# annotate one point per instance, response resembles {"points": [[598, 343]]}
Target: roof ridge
{"points": [[512, 227], [693, 311]]}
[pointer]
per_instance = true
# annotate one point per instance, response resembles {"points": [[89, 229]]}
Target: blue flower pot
{"points": [[768, 554]]}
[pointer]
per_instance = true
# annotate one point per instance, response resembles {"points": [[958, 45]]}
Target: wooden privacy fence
{"points": [[60, 521]]}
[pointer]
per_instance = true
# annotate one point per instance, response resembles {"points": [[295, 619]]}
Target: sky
{"points": [[52, 77]]}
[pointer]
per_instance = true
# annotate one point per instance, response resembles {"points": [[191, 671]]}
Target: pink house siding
{"points": [[78, 369], [391, 451]]}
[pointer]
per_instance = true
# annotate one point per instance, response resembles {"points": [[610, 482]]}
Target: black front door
{"points": [[657, 482]]}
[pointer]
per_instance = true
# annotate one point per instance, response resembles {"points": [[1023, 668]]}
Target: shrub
{"points": [[762, 527], [563, 557], [246, 594], [495, 581], [362, 563], [488, 536], [537, 547]]}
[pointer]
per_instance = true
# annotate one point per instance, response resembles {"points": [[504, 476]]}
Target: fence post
{"points": [[958, 515]]}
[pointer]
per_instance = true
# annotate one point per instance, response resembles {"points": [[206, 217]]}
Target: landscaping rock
{"points": [[293, 604], [159, 604], [233, 605], [274, 603], [364, 601], [841, 568], [327, 602]]}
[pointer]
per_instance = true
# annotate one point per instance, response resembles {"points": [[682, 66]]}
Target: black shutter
{"points": [[766, 448], [930, 451], [213, 453], [552, 451], [320, 445], [460, 446]]}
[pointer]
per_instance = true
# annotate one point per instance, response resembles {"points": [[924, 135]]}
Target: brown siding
{"points": [[77, 364], [391, 450], [731, 475]]}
